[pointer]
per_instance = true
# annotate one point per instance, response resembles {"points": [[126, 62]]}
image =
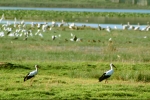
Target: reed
{"points": [[92, 17]]}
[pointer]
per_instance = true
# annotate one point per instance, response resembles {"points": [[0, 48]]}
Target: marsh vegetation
{"points": [[83, 17]]}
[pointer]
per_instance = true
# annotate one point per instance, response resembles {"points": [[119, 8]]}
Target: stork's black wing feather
{"points": [[104, 76], [27, 77]]}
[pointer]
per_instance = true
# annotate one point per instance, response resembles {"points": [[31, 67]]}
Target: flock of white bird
{"points": [[131, 27], [128, 26], [19, 29]]}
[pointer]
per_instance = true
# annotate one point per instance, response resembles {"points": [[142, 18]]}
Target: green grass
{"points": [[56, 80], [125, 44], [70, 4], [70, 70]]}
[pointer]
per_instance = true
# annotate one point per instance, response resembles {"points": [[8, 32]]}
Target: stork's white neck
{"points": [[36, 68], [111, 67]]}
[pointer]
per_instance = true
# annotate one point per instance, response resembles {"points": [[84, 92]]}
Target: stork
{"points": [[115, 27], [108, 29], [107, 74], [2, 34], [74, 38], [138, 27], [31, 74], [71, 26], [62, 23], [126, 26], [54, 37], [2, 18], [99, 27]]}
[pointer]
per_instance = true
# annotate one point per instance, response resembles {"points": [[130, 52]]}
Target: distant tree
{"points": [[136, 2]]}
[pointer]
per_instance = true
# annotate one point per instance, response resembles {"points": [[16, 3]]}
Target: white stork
{"points": [[107, 74], [2, 18], [31, 74], [138, 27], [54, 37], [126, 26], [108, 29]]}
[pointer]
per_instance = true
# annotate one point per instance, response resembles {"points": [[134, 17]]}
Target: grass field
{"points": [[70, 4], [52, 86], [70, 70]]}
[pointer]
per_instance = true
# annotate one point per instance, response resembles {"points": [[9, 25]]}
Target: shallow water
{"points": [[80, 9], [101, 20], [94, 25], [93, 22]]}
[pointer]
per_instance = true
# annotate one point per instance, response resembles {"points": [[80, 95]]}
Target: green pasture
{"points": [[70, 70], [49, 85], [94, 47]]}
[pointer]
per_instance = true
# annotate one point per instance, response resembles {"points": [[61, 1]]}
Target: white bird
{"points": [[37, 32], [148, 28], [71, 34], [137, 28], [108, 29], [74, 38], [38, 25], [126, 26], [145, 37], [31, 74], [107, 74], [131, 27], [72, 25], [15, 20], [54, 37], [54, 24], [2, 18], [22, 22], [79, 39], [118, 56], [2, 34], [61, 24], [110, 40], [32, 24], [115, 27], [11, 34], [99, 27], [59, 35], [41, 35]]}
